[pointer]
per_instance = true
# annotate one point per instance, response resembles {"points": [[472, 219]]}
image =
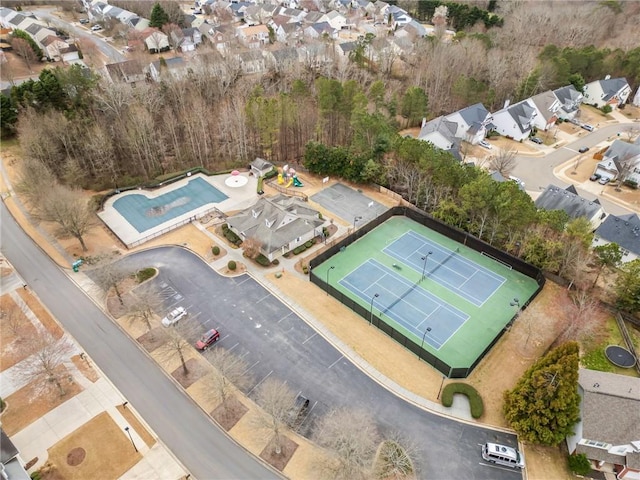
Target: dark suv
{"points": [[299, 412]]}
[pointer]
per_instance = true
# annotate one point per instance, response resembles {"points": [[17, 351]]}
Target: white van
{"points": [[502, 455]]}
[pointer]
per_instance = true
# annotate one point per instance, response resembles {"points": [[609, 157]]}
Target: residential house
{"points": [[547, 106], [336, 20], [315, 17], [259, 13], [412, 30], [10, 461], [167, 68], [253, 37], [399, 17], [6, 14], [129, 71], [53, 47], [238, 8], [315, 55], [621, 161], [252, 61], [380, 11], [472, 122], [440, 132], [636, 98], [220, 36], [293, 14], [139, 24], [283, 60], [39, 33], [344, 50], [193, 21], [623, 230], [515, 121], [279, 224], [556, 198], [155, 41], [610, 91], [320, 30], [284, 30], [190, 39], [608, 432], [570, 100]]}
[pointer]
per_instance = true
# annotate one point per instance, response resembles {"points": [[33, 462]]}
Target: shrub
{"points": [[36, 475], [232, 237], [630, 183], [145, 274], [275, 262], [299, 249], [262, 260], [215, 250], [270, 174], [475, 400], [606, 109], [579, 464], [305, 269], [308, 243], [231, 265], [2, 405]]}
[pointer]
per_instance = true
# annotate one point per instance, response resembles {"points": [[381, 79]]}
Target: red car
{"points": [[208, 339]]}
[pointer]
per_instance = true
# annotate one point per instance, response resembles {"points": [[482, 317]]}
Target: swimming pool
{"points": [[145, 213]]}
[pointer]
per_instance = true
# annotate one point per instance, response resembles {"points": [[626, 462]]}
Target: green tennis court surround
{"points": [[443, 294]]}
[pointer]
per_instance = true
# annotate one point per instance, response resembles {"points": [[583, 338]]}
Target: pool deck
{"points": [[238, 199]]}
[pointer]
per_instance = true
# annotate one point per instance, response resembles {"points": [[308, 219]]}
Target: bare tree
{"points": [[352, 437], [394, 459], [251, 247], [581, 314], [13, 318], [146, 302], [176, 343], [34, 179], [90, 51], [504, 161], [45, 364], [111, 275], [631, 131], [230, 373], [23, 49], [277, 401]]}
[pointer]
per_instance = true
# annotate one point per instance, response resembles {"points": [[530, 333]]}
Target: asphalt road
{"points": [[276, 343], [186, 430], [537, 172]]}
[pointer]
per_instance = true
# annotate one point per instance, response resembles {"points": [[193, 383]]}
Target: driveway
{"points": [[276, 342]]}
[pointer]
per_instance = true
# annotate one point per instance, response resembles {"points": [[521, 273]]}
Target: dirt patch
{"points": [[152, 339], [279, 460], [135, 424], [76, 456], [33, 401], [82, 364], [544, 463], [15, 330], [15, 68], [41, 312], [109, 452], [240, 269], [196, 369], [230, 413]]}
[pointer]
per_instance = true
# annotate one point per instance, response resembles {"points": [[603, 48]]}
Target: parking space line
{"points": [[229, 349], [264, 298], [226, 336], [287, 315], [314, 334], [504, 469], [243, 281], [341, 357], [259, 383]]}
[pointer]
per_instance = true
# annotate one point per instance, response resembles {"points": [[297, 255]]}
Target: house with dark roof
{"points": [[623, 230], [283, 59], [610, 91], [568, 200], [440, 132], [170, 67], [621, 161], [279, 224], [10, 461], [608, 432], [515, 121], [472, 122], [129, 71], [252, 61], [570, 100], [547, 107]]}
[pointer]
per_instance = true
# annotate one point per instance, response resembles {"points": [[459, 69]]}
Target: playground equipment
{"points": [[288, 177]]}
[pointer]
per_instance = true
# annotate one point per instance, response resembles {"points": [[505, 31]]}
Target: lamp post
{"points": [[375, 295], [330, 268], [355, 220], [441, 385], [424, 266], [126, 429], [424, 335]]}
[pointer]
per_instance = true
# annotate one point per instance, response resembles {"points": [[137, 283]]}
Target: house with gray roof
{"points": [[610, 91], [252, 61], [279, 224], [624, 230], [608, 432], [568, 200], [621, 162], [515, 121], [570, 100], [129, 71], [440, 132], [547, 107], [283, 59], [10, 460], [170, 67], [472, 122]]}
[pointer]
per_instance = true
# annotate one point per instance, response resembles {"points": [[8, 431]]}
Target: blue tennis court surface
{"points": [[447, 267], [144, 213], [405, 302]]}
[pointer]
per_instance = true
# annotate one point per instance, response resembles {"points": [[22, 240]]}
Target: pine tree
{"points": [[159, 17], [545, 405]]}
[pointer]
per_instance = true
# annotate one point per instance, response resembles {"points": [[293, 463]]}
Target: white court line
{"points": [[341, 357], [259, 383], [462, 285]]}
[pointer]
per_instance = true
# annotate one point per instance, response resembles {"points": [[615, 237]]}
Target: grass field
{"points": [[482, 308]]}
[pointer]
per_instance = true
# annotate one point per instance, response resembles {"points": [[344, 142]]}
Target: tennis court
{"points": [[405, 302], [447, 267]]}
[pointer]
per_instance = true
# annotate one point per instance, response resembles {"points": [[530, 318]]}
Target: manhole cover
{"points": [[76, 456], [619, 356]]}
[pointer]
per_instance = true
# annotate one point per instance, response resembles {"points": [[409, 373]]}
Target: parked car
{"points": [[485, 144], [587, 127], [299, 412], [174, 316], [84, 21], [96, 28], [537, 140], [208, 339], [594, 177], [583, 149], [517, 180], [604, 180], [575, 121]]}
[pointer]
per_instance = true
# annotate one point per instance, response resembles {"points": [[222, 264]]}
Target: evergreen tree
{"points": [[159, 17], [545, 405], [8, 116], [628, 287]]}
